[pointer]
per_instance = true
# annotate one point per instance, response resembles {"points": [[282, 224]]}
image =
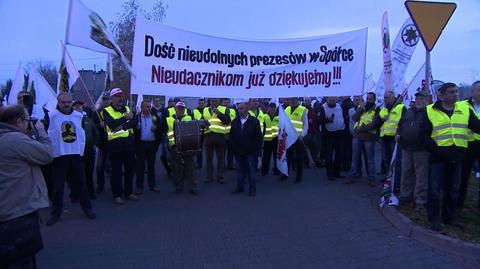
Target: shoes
{"points": [[331, 178], [132, 197], [178, 190], [436, 227], [283, 178], [208, 180], [372, 183], [237, 190], [118, 201], [73, 200], [99, 190], [52, 220], [194, 192], [252, 193], [276, 173], [221, 180], [339, 176], [92, 196], [139, 192], [349, 180], [155, 189], [230, 168], [90, 215], [297, 181]]}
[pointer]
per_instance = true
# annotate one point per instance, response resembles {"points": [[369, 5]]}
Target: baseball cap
{"points": [[180, 104], [240, 100], [421, 93], [116, 91]]}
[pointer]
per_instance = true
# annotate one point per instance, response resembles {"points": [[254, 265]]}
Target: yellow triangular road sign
{"points": [[430, 19]]}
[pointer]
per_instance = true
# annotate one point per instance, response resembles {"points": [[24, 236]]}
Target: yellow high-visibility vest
{"points": [[389, 127], [448, 131], [171, 111], [296, 116], [216, 125], [197, 114], [116, 115], [170, 123], [271, 127], [472, 136], [367, 118], [259, 117]]}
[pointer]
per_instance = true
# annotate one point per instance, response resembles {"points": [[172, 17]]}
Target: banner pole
{"points": [[427, 71]]}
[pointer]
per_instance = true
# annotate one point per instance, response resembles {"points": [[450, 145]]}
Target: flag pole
{"points": [[67, 30], [427, 71]]}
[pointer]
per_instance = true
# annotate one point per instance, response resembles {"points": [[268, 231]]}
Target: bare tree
{"points": [[48, 71], [123, 28]]}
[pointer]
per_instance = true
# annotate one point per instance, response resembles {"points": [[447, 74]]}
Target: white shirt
{"points": [[476, 107], [146, 123], [243, 120]]}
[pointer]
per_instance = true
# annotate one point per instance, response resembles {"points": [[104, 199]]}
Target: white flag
{"points": [[401, 52], [68, 72], [86, 29], [44, 94], [417, 84], [387, 57], [287, 135], [17, 85]]}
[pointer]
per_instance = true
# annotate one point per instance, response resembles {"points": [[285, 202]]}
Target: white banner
{"points": [[287, 135], [170, 61], [402, 50]]}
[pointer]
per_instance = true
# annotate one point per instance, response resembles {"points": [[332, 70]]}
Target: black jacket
{"points": [[246, 140], [412, 130]]}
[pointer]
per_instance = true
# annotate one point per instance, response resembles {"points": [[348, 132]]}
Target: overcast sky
{"points": [[33, 29]]}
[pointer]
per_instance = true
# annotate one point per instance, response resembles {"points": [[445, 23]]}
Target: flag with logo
{"points": [[401, 53], [287, 135], [86, 29], [68, 74], [387, 57]]}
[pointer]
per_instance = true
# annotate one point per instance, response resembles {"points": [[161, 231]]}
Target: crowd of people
{"points": [[431, 146]]}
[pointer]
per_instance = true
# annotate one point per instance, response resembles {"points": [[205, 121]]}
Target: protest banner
{"points": [[170, 61]]}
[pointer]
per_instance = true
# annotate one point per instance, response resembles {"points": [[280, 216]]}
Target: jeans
{"points": [[246, 167], [62, 167], [445, 176], [368, 149]]}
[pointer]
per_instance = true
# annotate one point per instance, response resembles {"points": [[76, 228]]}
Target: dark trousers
{"points": [[122, 161], [215, 143], [229, 154], [473, 155], [72, 165], [146, 152], [101, 164], [295, 157], [246, 168], [323, 148], [346, 148], [89, 157], [47, 175], [387, 154], [269, 151], [334, 153], [183, 166], [445, 176], [312, 144], [200, 154]]}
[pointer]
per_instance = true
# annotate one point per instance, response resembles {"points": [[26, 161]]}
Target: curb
{"points": [[436, 240]]}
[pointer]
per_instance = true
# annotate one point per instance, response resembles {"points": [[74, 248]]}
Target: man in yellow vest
{"points": [[119, 123], [232, 115], [450, 125], [198, 115], [364, 138], [473, 146], [390, 115], [183, 164], [218, 119], [270, 140], [296, 153]]}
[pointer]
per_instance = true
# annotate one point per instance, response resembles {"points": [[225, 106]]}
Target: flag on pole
{"points": [[287, 135], [108, 74], [401, 53], [17, 86], [68, 74], [44, 96], [86, 29], [387, 57]]}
